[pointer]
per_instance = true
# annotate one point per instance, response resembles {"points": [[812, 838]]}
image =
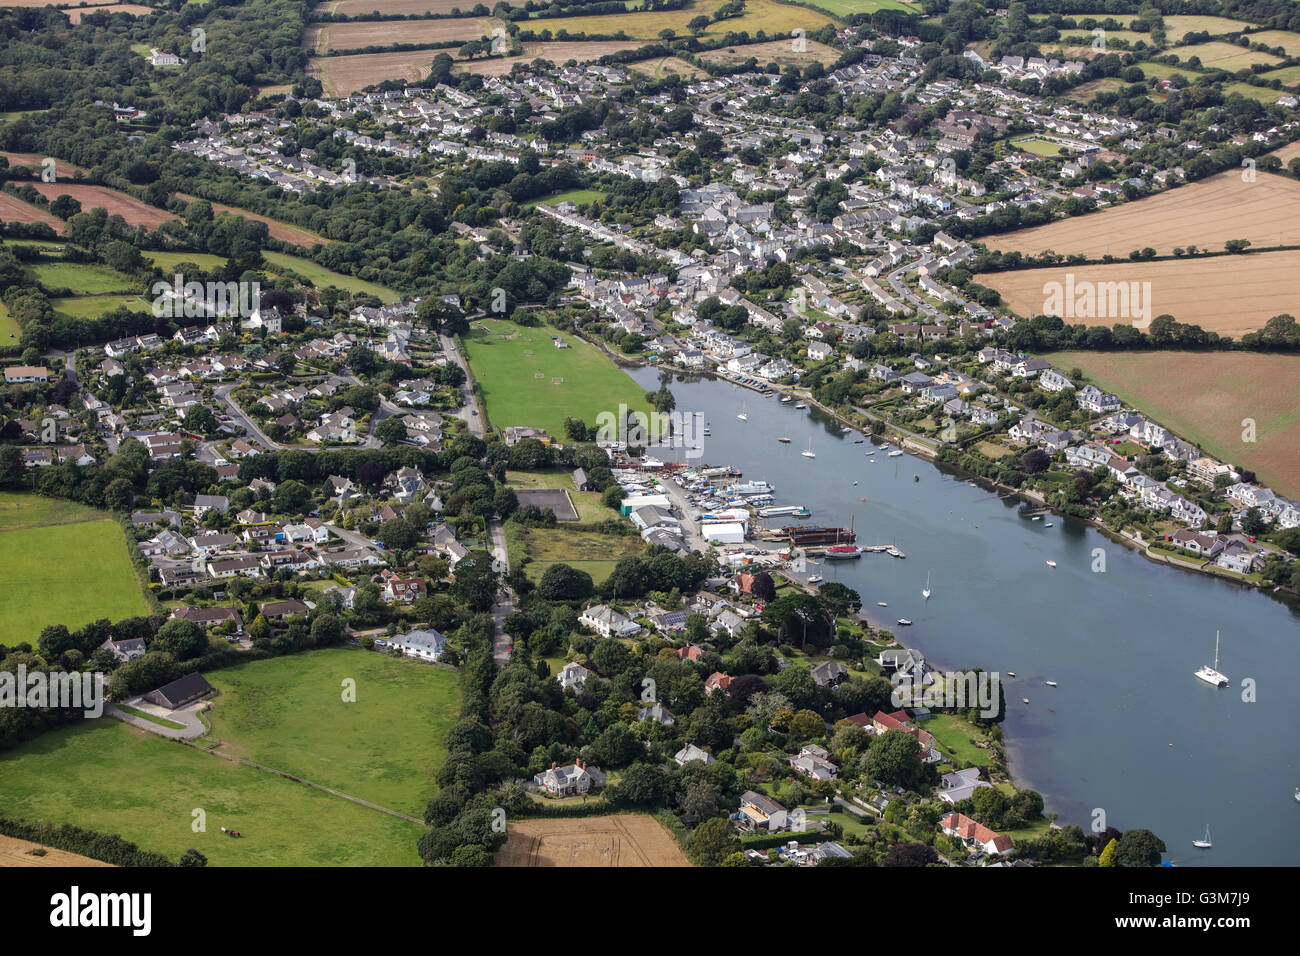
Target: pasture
{"points": [[617, 840], [1230, 295], [344, 75], [526, 380], [105, 775], [75, 14], [1279, 38], [88, 559], [579, 196], [9, 328], [361, 8], [62, 169], [81, 278], [319, 276], [1204, 396], [93, 306], [288, 713], [762, 15], [1221, 55], [1206, 213], [660, 67]]}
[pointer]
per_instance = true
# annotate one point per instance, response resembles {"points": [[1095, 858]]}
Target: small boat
{"points": [[858, 441], [808, 452], [1011, 673], [845, 429], [785, 399], [896, 453], [783, 440], [1297, 794], [743, 415], [1210, 674], [1036, 518], [883, 604], [916, 477], [925, 591], [801, 405], [1025, 699], [1206, 843], [1047, 524], [855, 484], [904, 621], [1050, 683], [815, 579], [1051, 564]]}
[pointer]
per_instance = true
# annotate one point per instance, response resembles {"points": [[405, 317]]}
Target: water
{"points": [[1122, 644]]}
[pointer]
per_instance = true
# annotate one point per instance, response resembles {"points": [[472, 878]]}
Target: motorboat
{"points": [[905, 622], [1051, 564], [784, 440], [883, 604], [815, 579], [896, 453], [1050, 683]]}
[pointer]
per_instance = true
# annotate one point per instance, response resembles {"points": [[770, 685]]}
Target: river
{"points": [[1129, 731]]}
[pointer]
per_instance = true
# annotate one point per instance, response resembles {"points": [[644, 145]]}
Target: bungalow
{"points": [[23, 374], [814, 762], [1197, 543], [658, 713], [830, 674], [125, 650], [209, 616], [205, 503], [426, 645], [960, 785], [279, 610]]}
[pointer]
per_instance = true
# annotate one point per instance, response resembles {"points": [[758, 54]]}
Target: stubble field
{"points": [[621, 840], [322, 37]]}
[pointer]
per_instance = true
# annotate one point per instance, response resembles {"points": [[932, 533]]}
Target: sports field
{"points": [[624, 839], [1206, 213], [526, 380], [1204, 397], [1230, 295], [288, 713], [61, 564], [108, 776]]}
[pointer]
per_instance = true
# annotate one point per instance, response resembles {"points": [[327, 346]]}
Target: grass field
{"points": [[1036, 146], [321, 277], [360, 8], [82, 278], [1163, 71], [170, 260], [344, 75], [288, 713], [620, 840], [1206, 213], [74, 14], [587, 502], [954, 735], [93, 306], [9, 328], [62, 168], [579, 196], [110, 777], [584, 550], [85, 553], [845, 8], [774, 51], [21, 853], [1274, 38], [660, 67], [759, 15], [1222, 55], [1180, 24], [1205, 396], [1230, 295], [516, 368]]}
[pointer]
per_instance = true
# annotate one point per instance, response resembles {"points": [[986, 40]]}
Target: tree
{"points": [[910, 855], [990, 806], [762, 587], [391, 431], [200, 420], [560, 582], [1035, 461], [895, 758], [1108, 855], [290, 497], [181, 639], [1139, 848], [713, 841], [119, 495], [1253, 523]]}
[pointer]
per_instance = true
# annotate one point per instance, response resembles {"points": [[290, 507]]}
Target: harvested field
{"points": [[344, 75], [283, 231], [62, 169], [13, 209], [1206, 214], [323, 37], [774, 51], [134, 9], [1274, 38], [1222, 55], [15, 852], [1287, 153], [1203, 396], [361, 8], [134, 211], [1179, 25], [1230, 295], [621, 840], [645, 25]]}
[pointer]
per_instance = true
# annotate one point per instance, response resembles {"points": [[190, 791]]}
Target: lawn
{"points": [[844, 8], [93, 306], [87, 557], [587, 502], [1039, 147], [318, 275], [9, 328], [526, 380], [288, 713], [579, 196], [80, 278], [153, 718], [107, 776], [954, 735], [1206, 398]]}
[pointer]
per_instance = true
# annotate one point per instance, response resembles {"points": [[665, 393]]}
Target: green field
{"points": [[8, 326], [114, 778], [66, 573], [321, 276], [845, 8], [93, 306], [597, 554], [170, 260], [288, 714], [579, 196], [1039, 147], [954, 735], [81, 278], [1221, 55], [519, 388]]}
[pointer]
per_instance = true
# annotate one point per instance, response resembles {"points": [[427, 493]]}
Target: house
{"points": [[279, 610], [717, 681], [567, 781], [658, 713], [1053, 381], [607, 622], [959, 785], [572, 676], [127, 650], [1092, 399], [401, 590], [205, 503], [580, 480], [1197, 543], [814, 762], [830, 674], [209, 616], [1238, 557], [23, 374], [759, 812], [820, 351], [426, 645], [691, 753], [178, 693], [975, 834]]}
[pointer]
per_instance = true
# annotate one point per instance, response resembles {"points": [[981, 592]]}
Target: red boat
{"points": [[841, 551]]}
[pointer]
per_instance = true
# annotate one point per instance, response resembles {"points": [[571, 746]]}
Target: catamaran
{"points": [[1210, 674], [808, 452], [925, 591], [1206, 843]]}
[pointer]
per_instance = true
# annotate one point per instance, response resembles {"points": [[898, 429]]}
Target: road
{"points": [[468, 400], [222, 394]]}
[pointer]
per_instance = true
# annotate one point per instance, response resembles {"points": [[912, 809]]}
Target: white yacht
{"points": [[1210, 674], [1206, 843]]}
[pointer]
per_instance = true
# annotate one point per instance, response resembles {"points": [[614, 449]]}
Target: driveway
{"points": [[186, 715]]}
